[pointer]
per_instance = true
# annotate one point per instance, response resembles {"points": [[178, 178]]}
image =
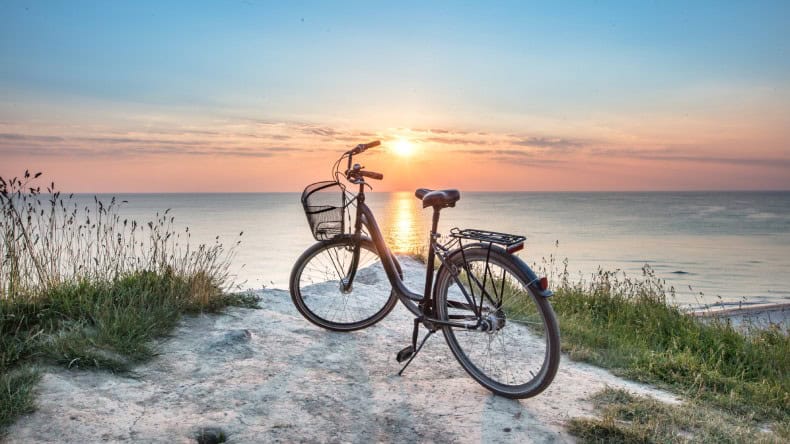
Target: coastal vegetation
{"points": [[82, 287], [626, 417], [632, 327], [628, 325]]}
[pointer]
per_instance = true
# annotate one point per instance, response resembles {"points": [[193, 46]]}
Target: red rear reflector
{"points": [[513, 248], [544, 283]]}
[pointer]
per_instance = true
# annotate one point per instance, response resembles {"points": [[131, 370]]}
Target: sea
{"points": [[710, 247]]}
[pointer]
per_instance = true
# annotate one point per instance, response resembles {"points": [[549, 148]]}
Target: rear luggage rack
{"points": [[511, 242]]}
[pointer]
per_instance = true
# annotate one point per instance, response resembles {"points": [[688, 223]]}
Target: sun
{"points": [[403, 147]]}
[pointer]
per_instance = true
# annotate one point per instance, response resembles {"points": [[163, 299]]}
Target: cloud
{"points": [[320, 131], [455, 141], [528, 161], [267, 136], [474, 151], [26, 149], [232, 152], [224, 139], [750, 161], [25, 137], [136, 140], [680, 154], [177, 131], [282, 149], [504, 152], [514, 157], [551, 142], [556, 144]]}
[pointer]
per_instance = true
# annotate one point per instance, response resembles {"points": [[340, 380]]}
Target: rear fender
{"points": [[527, 273]]}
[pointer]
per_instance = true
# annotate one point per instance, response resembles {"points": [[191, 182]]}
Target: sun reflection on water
{"points": [[405, 229]]}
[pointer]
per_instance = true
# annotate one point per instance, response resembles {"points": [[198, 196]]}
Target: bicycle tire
{"points": [[318, 297], [528, 317]]}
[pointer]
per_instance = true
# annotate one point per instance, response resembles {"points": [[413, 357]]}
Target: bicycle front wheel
{"points": [[317, 290], [516, 351]]}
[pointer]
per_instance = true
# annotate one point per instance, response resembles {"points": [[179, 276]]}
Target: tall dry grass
{"points": [[48, 239]]}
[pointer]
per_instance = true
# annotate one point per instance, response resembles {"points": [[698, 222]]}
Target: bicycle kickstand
{"points": [[411, 351]]}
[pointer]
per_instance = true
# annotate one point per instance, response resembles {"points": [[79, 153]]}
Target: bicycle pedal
{"points": [[405, 354]]}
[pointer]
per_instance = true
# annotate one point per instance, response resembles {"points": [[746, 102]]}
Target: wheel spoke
{"points": [[321, 299], [510, 354]]}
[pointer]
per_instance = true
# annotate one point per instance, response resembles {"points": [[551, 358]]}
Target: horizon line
{"points": [[464, 191]]}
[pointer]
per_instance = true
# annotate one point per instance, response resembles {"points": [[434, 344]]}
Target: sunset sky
{"points": [[263, 96]]}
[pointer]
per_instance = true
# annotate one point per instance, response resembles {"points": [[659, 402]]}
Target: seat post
{"points": [[431, 255], [435, 222]]}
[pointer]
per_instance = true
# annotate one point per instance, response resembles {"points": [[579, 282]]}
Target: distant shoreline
{"points": [[746, 314]]}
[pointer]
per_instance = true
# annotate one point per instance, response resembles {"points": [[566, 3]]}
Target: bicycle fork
{"points": [[347, 282]]}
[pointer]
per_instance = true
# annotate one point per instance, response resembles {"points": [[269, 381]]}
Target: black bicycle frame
{"points": [[415, 303]]}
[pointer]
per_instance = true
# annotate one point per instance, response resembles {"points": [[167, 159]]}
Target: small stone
{"points": [[506, 430], [210, 435]]}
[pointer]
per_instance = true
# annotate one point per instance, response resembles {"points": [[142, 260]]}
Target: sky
{"points": [[246, 96]]}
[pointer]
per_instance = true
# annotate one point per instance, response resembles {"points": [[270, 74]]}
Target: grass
{"points": [[16, 394], [82, 288], [627, 418], [627, 325], [733, 380]]}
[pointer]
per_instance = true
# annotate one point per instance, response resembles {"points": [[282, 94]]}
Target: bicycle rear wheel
{"points": [[316, 288], [518, 354]]}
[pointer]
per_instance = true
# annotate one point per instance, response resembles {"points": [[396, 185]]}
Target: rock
{"points": [[234, 337], [210, 435], [233, 344]]}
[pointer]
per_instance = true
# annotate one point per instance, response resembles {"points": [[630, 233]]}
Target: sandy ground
{"points": [[268, 375]]}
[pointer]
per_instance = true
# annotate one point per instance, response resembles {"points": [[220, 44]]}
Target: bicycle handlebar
{"points": [[355, 174], [371, 174], [362, 147]]}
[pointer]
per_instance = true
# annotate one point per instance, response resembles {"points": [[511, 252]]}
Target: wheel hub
{"points": [[493, 322], [345, 288]]}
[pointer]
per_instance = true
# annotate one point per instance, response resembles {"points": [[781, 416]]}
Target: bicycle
{"points": [[491, 307]]}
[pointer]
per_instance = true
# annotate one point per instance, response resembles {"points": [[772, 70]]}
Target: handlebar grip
{"points": [[363, 147], [371, 174]]}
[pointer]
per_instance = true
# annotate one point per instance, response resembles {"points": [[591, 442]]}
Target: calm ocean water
{"points": [[730, 246]]}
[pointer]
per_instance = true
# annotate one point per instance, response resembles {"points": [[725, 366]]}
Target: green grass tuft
{"points": [[628, 418], [16, 394]]}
